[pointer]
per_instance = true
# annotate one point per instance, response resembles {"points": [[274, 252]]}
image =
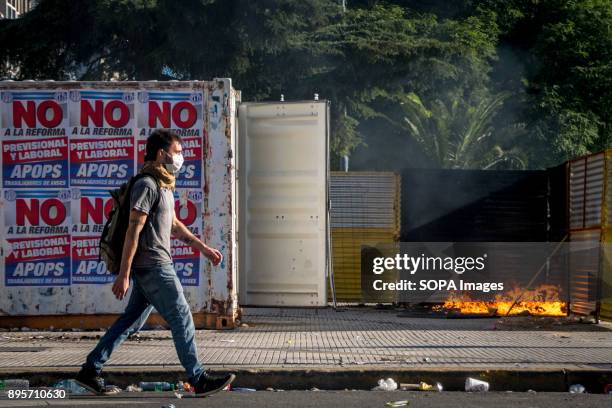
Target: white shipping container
{"points": [[284, 203]]}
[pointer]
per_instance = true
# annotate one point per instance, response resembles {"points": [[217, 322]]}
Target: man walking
{"points": [[146, 259]]}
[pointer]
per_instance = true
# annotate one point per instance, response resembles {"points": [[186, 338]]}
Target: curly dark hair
{"points": [[160, 139]]}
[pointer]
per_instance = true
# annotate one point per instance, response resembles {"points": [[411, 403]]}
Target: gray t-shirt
{"points": [[154, 241]]}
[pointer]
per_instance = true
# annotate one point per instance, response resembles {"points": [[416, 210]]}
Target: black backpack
{"points": [[113, 234]]}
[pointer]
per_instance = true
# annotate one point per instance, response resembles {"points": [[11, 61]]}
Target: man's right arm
{"points": [[122, 282], [136, 223], [141, 198]]}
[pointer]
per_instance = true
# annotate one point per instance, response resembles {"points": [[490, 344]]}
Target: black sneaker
{"points": [[209, 384], [90, 381]]}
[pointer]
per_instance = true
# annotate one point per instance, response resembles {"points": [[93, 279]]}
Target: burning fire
{"points": [[541, 301]]}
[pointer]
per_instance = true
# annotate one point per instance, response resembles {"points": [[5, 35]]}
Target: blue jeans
{"points": [[159, 287]]}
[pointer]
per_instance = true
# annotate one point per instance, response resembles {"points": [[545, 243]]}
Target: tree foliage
{"points": [[449, 63], [459, 136]]}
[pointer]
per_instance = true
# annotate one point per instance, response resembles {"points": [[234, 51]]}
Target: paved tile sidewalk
{"points": [[354, 338]]}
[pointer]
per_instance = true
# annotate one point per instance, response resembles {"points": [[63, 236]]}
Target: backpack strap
{"points": [[156, 203], [128, 193]]}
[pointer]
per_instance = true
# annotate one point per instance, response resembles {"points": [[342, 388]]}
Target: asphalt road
{"points": [[335, 399]]}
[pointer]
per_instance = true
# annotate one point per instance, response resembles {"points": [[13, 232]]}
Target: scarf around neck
{"points": [[164, 178]]}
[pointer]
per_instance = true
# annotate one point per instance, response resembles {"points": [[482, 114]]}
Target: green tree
{"points": [[565, 50], [574, 86], [457, 135], [551, 56], [268, 47], [372, 54]]}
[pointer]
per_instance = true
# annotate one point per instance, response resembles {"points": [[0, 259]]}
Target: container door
{"points": [[283, 173]]}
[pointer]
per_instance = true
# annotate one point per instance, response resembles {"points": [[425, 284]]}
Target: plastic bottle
{"points": [[156, 386], [71, 387], [422, 386], [17, 384]]}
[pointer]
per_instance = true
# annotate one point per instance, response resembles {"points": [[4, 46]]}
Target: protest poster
{"points": [[38, 261], [33, 137], [181, 111], [187, 260], [36, 229], [101, 137], [90, 210]]}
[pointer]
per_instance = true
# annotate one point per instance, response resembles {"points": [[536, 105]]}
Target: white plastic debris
{"points": [[394, 404], [577, 389], [474, 385], [385, 385], [112, 389], [133, 388]]}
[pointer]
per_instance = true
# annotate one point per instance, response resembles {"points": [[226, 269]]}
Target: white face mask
{"points": [[177, 162]]}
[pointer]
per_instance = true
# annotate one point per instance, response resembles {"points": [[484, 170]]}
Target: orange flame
{"points": [[541, 301]]}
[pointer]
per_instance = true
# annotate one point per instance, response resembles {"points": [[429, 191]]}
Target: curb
{"points": [[551, 380]]}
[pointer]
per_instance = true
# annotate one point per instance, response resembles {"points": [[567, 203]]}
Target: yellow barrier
{"points": [[346, 250]]}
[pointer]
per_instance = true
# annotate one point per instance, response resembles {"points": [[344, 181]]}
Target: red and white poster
{"points": [[36, 227], [102, 124], [62, 151], [181, 111], [38, 261], [90, 210], [187, 260], [33, 138]]}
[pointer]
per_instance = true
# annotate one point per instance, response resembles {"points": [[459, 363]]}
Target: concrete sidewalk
{"points": [[301, 347]]}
